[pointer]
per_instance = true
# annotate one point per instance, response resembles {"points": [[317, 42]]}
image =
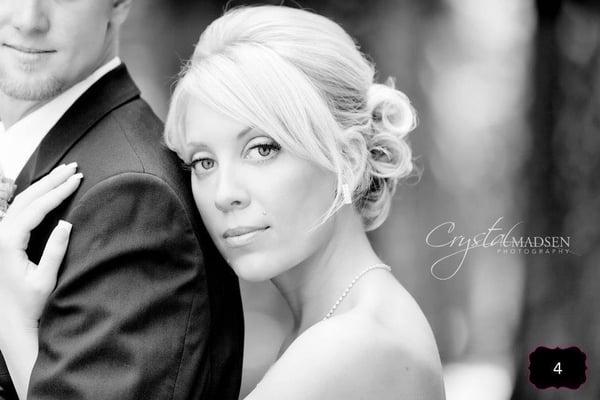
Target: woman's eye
{"points": [[207, 163], [202, 164], [263, 151]]}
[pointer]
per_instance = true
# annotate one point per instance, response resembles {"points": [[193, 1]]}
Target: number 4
{"points": [[557, 368]]}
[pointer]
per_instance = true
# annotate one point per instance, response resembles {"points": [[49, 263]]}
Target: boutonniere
{"points": [[7, 190]]}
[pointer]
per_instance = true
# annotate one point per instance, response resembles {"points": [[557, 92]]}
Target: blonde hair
{"points": [[301, 78]]}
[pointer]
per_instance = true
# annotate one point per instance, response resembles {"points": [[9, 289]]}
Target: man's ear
{"points": [[119, 11]]}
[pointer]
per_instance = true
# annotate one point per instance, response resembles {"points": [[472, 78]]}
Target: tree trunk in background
{"points": [[562, 297]]}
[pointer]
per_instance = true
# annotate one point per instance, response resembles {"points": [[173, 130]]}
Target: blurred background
{"points": [[508, 93]]}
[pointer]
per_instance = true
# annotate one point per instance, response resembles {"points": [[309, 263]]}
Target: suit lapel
{"points": [[111, 91]]}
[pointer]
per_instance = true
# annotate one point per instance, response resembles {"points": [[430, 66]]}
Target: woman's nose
{"points": [[231, 192], [29, 16]]}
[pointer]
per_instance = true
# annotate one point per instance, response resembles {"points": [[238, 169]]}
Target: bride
{"points": [[294, 152]]}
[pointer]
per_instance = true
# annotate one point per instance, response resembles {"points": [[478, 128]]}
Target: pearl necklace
{"points": [[356, 278]]}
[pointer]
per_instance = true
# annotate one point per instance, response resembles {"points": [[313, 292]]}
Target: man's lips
{"points": [[28, 50]]}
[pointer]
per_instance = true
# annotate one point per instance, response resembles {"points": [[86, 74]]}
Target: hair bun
{"points": [[390, 109], [390, 156]]}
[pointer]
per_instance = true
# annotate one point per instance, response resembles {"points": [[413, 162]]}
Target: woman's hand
{"points": [[24, 286]]}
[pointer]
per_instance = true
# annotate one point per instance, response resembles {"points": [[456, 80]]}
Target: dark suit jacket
{"points": [[145, 307]]}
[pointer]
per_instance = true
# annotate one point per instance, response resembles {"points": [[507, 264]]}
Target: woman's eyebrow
{"points": [[203, 146], [244, 132], [197, 145]]}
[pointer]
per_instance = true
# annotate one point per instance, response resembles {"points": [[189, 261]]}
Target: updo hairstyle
{"points": [[300, 78]]}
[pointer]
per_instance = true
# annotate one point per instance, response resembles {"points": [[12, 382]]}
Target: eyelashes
{"points": [[264, 151], [185, 166], [206, 163], [260, 152]]}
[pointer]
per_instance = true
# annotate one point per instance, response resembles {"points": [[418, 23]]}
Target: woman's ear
{"points": [[120, 11]]}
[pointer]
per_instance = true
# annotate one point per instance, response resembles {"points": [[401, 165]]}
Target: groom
{"points": [[145, 307]]}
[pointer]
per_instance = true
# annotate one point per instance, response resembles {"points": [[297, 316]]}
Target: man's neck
{"points": [[12, 110]]}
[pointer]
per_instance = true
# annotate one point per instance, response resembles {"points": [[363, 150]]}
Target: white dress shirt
{"points": [[19, 142]]}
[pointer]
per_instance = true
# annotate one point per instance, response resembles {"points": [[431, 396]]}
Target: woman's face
{"points": [[258, 201]]}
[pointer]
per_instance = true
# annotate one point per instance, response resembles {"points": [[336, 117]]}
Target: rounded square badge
{"points": [[557, 367]]}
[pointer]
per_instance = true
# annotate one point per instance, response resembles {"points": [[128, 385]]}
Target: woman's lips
{"points": [[242, 236]]}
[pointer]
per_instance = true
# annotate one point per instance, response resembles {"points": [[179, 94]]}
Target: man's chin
{"points": [[32, 89]]}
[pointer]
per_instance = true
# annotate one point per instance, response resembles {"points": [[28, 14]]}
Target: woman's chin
{"points": [[253, 268]]}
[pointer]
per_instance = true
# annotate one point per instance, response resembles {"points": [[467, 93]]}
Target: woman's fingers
{"points": [[41, 206], [55, 178], [53, 255]]}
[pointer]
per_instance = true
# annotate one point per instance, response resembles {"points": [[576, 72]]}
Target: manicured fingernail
{"points": [[72, 165], [78, 175], [65, 225]]}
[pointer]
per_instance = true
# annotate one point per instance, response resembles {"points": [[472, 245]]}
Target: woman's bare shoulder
{"points": [[396, 315], [352, 357]]}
